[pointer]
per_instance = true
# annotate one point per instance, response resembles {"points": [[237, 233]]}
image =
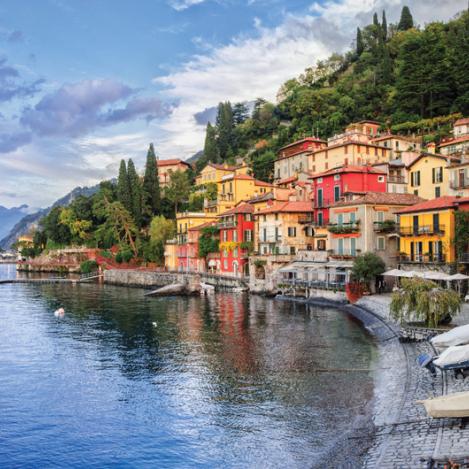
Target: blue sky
{"points": [[84, 83]]}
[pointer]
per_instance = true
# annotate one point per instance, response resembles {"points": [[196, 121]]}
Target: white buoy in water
{"points": [[59, 313], [155, 324]]}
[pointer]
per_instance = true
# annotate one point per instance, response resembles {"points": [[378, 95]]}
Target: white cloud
{"points": [[251, 67], [180, 5]]}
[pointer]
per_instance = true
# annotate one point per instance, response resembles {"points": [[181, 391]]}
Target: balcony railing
{"points": [[437, 230], [227, 224], [322, 203], [386, 226], [306, 219], [295, 283], [343, 256], [464, 184], [396, 179], [344, 228], [210, 203], [422, 258]]}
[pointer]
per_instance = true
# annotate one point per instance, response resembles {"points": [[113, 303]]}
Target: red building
{"points": [[188, 259], [236, 239], [335, 184]]}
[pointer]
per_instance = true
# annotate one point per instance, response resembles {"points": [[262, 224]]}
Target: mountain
{"points": [[195, 157], [10, 216], [25, 223]]}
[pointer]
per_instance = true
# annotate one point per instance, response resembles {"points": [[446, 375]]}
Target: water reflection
{"points": [[222, 380]]}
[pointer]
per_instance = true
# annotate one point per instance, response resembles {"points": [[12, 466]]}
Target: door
{"points": [[430, 251], [419, 251], [353, 249], [436, 223], [461, 179], [416, 224], [319, 197], [412, 253]]}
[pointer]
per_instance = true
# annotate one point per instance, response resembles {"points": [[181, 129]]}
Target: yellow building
{"points": [[212, 173], [281, 229], [187, 220], [235, 188], [170, 255], [427, 231], [428, 176]]}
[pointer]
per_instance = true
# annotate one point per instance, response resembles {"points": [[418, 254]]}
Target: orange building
{"points": [[166, 167]]}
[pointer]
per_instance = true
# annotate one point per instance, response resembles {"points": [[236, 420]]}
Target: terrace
{"points": [[438, 230]]}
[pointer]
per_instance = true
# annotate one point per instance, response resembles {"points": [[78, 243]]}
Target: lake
{"points": [[225, 380]]}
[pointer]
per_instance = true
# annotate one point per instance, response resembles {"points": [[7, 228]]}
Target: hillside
{"points": [[10, 216], [412, 79], [25, 223]]}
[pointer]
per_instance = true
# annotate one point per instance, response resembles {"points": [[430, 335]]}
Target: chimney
{"points": [[431, 147]]}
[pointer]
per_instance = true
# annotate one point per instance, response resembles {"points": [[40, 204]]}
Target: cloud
{"points": [[16, 36], [10, 85], [75, 109], [256, 66], [11, 141], [207, 115], [180, 5]]}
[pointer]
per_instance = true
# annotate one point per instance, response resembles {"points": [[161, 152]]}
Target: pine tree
{"points": [[360, 44], [240, 113], [384, 27], [124, 195], [211, 147], [151, 196], [406, 22], [225, 128], [136, 193]]}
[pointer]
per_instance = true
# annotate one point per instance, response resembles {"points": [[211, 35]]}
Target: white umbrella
{"points": [[411, 273], [432, 275], [394, 273], [458, 277]]}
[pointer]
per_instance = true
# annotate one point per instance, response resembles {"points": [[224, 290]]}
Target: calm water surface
{"points": [[226, 380]]}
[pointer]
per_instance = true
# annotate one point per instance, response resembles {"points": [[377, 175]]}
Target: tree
{"points": [[151, 196], [124, 195], [161, 229], [240, 113], [55, 231], [366, 267], [461, 233], [225, 126], [424, 300], [211, 147], [406, 22], [135, 192], [120, 221], [384, 27], [78, 228], [208, 241], [263, 166], [360, 44], [178, 188]]}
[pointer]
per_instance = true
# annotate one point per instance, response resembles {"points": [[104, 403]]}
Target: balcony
{"points": [[397, 180], [422, 259], [458, 185], [210, 203], [386, 226], [227, 224], [306, 219], [227, 197], [344, 228], [324, 203], [343, 256], [295, 283], [422, 230]]}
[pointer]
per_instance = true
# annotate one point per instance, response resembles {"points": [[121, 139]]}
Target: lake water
{"points": [[127, 381]]}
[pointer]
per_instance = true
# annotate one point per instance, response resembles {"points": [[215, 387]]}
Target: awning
{"points": [[341, 264], [295, 266], [394, 273], [458, 277]]}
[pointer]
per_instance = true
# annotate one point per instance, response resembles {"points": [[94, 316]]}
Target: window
{"points": [[225, 264], [225, 253], [319, 180], [264, 233], [320, 219], [437, 175], [416, 192], [340, 219], [380, 216], [235, 236], [235, 252], [353, 246], [276, 217], [341, 246], [265, 218], [352, 217], [225, 235], [292, 231], [292, 250], [380, 178], [380, 243], [248, 217], [336, 177], [415, 178], [319, 201], [248, 236], [437, 192], [345, 161], [277, 237], [336, 193]]}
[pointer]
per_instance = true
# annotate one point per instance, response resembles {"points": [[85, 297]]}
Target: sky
{"points": [[85, 83]]}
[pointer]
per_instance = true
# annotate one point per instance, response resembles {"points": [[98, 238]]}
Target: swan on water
{"points": [[59, 313]]}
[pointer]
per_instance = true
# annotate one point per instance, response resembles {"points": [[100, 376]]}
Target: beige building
{"points": [[368, 224], [396, 176], [459, 179], [398, 144]]}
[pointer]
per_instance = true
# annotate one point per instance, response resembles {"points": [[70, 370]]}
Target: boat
{"points": [[452, 356], [452, 405], [457, 336]]}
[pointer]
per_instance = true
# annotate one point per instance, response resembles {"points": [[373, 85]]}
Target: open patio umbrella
{"points": [[411, 273], [432, 275], [394, 273], [458, 277]]}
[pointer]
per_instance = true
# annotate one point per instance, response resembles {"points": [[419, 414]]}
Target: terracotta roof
{"points": [[348, 169], [446, 201], [464, 120], [425, 154], [388, 136], [202, 226], [454, 141], [382, 198], [306, 139], [288, 207], [462, 200], [350, 142], [287, 180], [172, 162], [243, 207]]}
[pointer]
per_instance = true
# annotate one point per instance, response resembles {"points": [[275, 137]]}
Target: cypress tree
{"points": [[123, 188], [135, 192], [151, 196], [360, 45], [210, 147], [406, 22], [225, 128], [240, 113], [384, 27]]}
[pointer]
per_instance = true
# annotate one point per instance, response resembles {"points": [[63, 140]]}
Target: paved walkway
{"points": [[405, 437]]}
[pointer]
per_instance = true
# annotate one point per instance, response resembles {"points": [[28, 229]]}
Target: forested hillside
{"points": [[413, 79]]}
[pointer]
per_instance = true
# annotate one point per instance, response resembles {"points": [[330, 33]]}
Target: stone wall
{"points": [[137, 278]]}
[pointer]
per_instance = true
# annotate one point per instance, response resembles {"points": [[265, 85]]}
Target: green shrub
{"points": [[124, 255], [106, 254], [87, 267]]}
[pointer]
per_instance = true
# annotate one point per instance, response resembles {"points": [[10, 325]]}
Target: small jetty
{"points": [[81, 279]]}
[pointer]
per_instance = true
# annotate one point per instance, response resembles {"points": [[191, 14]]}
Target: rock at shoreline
{"points": [[176, 289]]}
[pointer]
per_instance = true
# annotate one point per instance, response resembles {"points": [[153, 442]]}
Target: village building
{"points": [[427, 232], [360, 132], [459, 179], [188, 252], [368, 224], [398, 144], [396, 173], [236, 239], [459, 144], [428, 176], [171, 255], [213, 172], [167, 167]]}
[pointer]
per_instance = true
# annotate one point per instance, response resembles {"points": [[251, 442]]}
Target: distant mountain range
{"points": [[16, 223], [10, 216]]}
